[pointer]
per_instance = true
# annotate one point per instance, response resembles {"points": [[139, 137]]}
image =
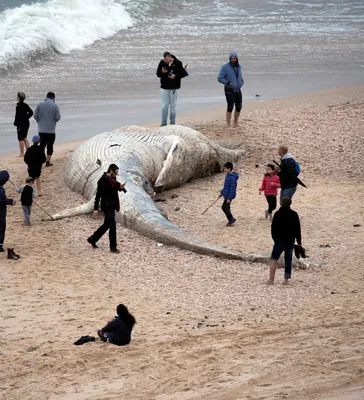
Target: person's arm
{"points": [[232, 189], [275, 227], [29, 112], [19, 189], [16, 122], [277, 183], [36, 113], [179, 74], [44, 158], [97, 197], [110, 326], [222, 76], [4, 199], [160, 73], [262, 187], [57, 113]]}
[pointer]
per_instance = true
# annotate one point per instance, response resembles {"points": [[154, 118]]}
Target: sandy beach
{"points": [[206, 328]]}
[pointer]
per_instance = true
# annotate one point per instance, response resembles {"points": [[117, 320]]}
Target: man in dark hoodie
{"points": [[232, 78], [4, 202], [47, 115], [107, 191], [287, 173], [170, 71], [35, 158], [286, 228], [228, 192]]}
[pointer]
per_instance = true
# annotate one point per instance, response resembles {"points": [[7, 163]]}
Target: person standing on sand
{"points": [[35, 158], [286, 228], [228, 192], [232, 78], [47, 115], [269, 186], [107, 191], [287, 173], [4, 202], [22, 115], [170, 71]]}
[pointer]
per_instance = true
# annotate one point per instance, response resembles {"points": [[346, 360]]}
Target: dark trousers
{"points": [[226, 208], [109, 224], [287, 248], [233, 97], [2, 230], [47, 140], [272, 203]]}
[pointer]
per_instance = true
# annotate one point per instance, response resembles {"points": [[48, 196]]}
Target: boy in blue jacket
{"points": [[4, 202], [229, 191], [231, 77]]}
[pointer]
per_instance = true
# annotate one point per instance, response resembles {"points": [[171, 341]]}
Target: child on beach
{"points": [[269, 186], [4, 202], [27, 193], [118, 331], [229, 191]]}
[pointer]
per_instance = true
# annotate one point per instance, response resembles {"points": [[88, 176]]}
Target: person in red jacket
{"points": [[269, 186]]}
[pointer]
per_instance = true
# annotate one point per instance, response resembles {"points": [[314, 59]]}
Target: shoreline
{"points": [[193, 118]]}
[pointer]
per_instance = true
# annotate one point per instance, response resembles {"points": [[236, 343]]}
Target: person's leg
{"points": [[226, 209], [229, 94], [39, 186], [288, 253], [50, 142], [2, 232], [238, 106], [272, 204], [276, 253], [112, 229], [100, 231], [26, 215], [165, 105], [26, 143], [43, 140], [173, 106], [21, 148], [289, 192]]}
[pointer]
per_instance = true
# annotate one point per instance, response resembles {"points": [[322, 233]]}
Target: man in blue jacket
{"points": [[47, 115], [229, 191], [4, 202], [232, 78]]}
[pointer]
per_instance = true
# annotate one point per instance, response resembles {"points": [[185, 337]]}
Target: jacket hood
{"points": [[4, 177], [235, 175], [288, 155], [234, 54]]}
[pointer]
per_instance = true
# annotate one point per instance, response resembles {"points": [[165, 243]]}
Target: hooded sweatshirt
{"points": [[287, 174], [47, 115], [175, 68], [4, 201], [231, 76], [229, 190]]}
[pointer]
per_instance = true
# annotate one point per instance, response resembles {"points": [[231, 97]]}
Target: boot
{"points": [[17, 255], [11, 255]]}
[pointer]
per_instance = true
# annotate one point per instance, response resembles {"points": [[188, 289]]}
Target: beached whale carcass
{"points": [[150, 160]]}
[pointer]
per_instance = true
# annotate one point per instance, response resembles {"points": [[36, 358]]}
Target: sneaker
{"points": [[11, 255], [163, 124], [172, 123], [49, 164], [116, 251], [101, 336], [231, 222], [92, 242], [266, 214]]}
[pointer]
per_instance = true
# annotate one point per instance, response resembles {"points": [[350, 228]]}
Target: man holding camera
{"points": [[170, 71]]}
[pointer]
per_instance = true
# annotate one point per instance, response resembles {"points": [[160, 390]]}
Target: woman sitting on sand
{"points": [[118, 331]]}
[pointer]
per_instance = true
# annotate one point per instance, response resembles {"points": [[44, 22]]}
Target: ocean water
{"points": [[100, 56]]}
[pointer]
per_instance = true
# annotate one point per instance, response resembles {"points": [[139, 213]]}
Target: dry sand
{"points": [[207, 328]]}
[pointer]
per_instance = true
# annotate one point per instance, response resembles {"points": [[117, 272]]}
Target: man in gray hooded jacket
{"points": [[47, 115]]}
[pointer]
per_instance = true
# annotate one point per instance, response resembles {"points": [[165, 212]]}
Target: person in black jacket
{"points": [[4, 202], [107, 191], [22, 115], [35, 158], [26, 199], [170, 71], [118, 331], [287, 173], [286, 228]]}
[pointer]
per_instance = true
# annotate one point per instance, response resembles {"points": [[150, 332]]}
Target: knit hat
{"points": [[36, 139], [29, 179], [21, 96]]}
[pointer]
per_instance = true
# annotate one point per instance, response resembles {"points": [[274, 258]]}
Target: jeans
{"points": [[169, 100], [26, 211], [272, 203], [226, 208], [109, 224], [278, 249], [287, 193]]}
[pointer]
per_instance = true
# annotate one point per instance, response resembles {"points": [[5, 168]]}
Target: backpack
{"points": [[297, 168]]}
